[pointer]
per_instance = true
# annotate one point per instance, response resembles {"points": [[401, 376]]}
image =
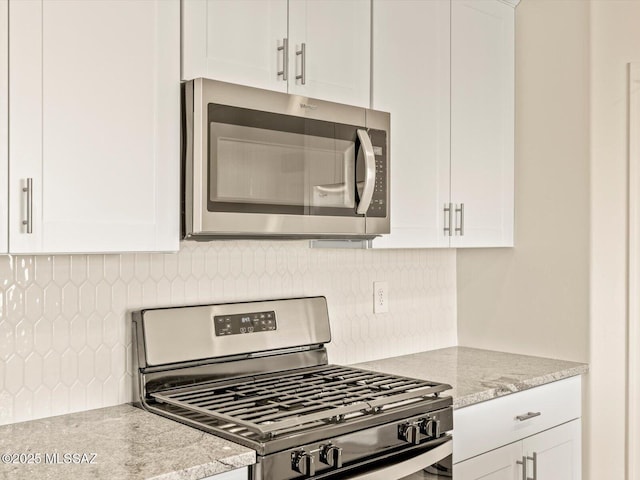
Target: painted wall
{"points": [[562, 291], [65, 336], [534, 298], [615, 41]]}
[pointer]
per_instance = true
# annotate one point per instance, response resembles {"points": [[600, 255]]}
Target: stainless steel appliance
{"points": [[257, 374], [261, 163]]}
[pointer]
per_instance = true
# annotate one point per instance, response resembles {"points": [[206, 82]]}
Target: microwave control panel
{"points": [[241, 323], [378, 207]]}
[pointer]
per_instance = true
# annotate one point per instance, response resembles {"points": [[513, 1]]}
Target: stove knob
{"points": [[410, 433], [431, 427], [332, 456], [304, 463]]}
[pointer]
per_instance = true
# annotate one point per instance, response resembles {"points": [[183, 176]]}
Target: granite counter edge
{"points": [[215, 467], [507, 389]]}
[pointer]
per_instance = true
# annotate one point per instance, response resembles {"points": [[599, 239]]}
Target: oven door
{"points": [[427, 463], [432, 464]]}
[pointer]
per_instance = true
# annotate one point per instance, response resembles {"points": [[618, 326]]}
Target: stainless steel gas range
{"points": [[257, 373]]}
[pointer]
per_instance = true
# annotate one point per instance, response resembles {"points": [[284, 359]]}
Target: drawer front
{"points": [[492, 424]]}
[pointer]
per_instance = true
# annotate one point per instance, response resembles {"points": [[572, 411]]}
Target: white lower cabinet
{"points": [[556, 452], [535, 434], [553, 455], [238, 474], [499, 464]]}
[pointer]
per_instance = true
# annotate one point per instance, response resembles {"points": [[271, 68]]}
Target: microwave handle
{"points": [[407, 467], [369, 174]]}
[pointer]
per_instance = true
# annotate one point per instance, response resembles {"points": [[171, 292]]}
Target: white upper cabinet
{"points": [[235, 41], [315, 48], [444, 69], [482, 122], [411, 81], [335, 61], [95, 126], [4, 125]]}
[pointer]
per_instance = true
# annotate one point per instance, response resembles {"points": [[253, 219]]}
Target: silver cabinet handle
{"points": [[303, 64], [448, 219], [460, 227], [523, 462], [534, 459], [285, 59], [29, 191], [369, 174], [528, 416]]}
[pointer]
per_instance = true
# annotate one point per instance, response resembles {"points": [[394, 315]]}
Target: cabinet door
{"points": [[482, 121], [410, 79], [336, 35], [556, 452], [499, 464], [95, 123], [235, 41], [4, 125], [238, 474]]}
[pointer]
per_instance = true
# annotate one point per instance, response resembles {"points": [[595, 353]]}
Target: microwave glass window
{"points": [[262, 162], [267, 167]]}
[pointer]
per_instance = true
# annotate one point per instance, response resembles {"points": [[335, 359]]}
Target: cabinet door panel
{"points": [[482, 120], [557, 452], [337, 38], [234, 41], [4, 125], [238, 474], [499, 464], [411, 81], [95, 122]]}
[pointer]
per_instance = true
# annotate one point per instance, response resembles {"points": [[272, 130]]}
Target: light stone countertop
{"points": [[128, 443], [477, 375]]}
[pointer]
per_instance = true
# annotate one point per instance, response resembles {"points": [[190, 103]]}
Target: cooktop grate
{"points": [[267, 405]]}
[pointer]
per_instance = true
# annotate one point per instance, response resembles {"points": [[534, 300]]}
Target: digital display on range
{"points": [[241, 323]]}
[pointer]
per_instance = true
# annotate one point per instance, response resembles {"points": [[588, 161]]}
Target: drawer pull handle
{"points": [[528, 416]]}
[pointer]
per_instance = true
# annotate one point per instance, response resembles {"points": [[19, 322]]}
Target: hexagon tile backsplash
{"points": [[65, 333]]}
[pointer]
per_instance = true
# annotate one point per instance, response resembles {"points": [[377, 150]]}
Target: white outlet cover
{"points": [[380, 297]]}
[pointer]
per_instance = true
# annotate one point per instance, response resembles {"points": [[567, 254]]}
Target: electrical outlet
{"points": [[380, 297]]}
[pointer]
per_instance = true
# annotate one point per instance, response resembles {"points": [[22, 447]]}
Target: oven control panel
{"points": [[243, 323]]}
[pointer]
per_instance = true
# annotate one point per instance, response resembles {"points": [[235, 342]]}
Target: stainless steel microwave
{"points": [[260, 163]]}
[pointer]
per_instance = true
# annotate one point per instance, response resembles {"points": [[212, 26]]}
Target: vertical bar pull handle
{"points": [[460, 226], [285, 59], [29, 191], [303, 64], [523, 462], [448, 219], [534, 459]]}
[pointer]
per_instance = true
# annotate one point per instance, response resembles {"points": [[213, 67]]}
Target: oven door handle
{"points": [[413, 465], [369, 173]]}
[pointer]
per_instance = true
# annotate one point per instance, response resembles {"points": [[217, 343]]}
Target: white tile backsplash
{"points": [[65, 335]]}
